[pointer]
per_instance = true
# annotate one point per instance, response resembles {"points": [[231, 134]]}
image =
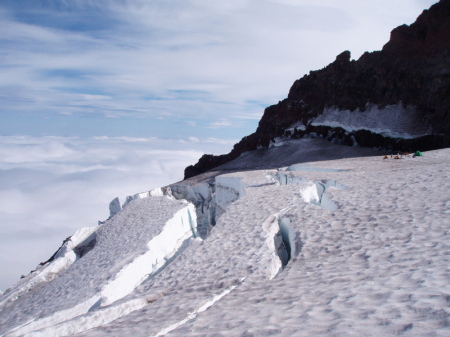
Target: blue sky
{"points": [[100, 98], [171, 68]]}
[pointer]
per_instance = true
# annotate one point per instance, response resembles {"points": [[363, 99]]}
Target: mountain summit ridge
{"points": [[409, 77]]}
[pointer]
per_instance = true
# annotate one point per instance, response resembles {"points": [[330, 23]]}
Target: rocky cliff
{"points": [[396, 99]]}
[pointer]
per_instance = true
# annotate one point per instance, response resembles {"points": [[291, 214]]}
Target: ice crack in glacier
{"points": [[161, 250], [311, 192], [194, 314], [284, 239], [210, 199]]}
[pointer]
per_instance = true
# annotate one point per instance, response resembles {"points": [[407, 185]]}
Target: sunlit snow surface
{"points": [[367, 238]]}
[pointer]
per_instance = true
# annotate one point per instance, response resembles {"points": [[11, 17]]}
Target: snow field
{"points": [[376, 266], [193, 315], [241, 245], [293, 151], [87, 321], [295, 253]]}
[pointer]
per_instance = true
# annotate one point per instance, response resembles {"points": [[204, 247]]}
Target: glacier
{"points": [[278, 242]]}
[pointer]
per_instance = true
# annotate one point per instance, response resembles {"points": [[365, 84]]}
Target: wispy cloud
{"points": [[196, 60], [222, 123]]}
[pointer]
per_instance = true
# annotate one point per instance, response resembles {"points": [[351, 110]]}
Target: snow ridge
{"points": [[172, 240], [64, 258], [160, 250]]}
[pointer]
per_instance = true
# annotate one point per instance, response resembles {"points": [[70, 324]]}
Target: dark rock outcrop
{"points": [[411, 72]]}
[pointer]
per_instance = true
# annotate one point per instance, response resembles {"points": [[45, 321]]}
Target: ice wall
{"points": [[114, 207], [228, 190], [311, 192], [201, 196], [287, 235], [173, 237], [210, 200]]}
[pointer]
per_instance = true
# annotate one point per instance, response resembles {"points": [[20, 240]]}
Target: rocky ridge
{"points": [[407, 83]]}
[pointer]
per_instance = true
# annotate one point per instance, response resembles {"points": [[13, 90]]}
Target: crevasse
{"points": [[176, 232], [161, 249], [311, 192], [284, 239], [210, 199]]}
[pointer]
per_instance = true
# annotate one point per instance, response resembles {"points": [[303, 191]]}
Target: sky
{"points": [[100, 98]]}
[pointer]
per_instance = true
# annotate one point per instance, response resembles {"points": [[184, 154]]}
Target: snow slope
{"points": [[131, 246], [356, 246]]}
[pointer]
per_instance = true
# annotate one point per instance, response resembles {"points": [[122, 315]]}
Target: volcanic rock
{"points": [[405, 88]]}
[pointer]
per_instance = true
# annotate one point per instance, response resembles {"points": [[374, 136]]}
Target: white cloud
{"points": [[193, 139], [182, 60], [221, 141], [223, 123]]}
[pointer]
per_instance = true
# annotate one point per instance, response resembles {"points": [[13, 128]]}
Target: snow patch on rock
{"points": [[395, 121], [278, 141], [296, 126]]}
